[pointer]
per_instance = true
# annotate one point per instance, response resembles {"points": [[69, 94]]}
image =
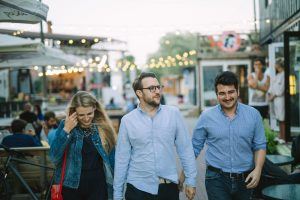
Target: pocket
{"points": [[211, 175]]}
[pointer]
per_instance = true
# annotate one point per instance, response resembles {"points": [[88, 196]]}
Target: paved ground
{"points": [[200, 190]]}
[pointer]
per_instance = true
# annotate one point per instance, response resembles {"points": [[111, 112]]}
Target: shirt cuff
{"points": [[118, 197], [190, 182], [261, 146]]}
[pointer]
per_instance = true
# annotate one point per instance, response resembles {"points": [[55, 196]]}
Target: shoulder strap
{"points": [[63, 169]]}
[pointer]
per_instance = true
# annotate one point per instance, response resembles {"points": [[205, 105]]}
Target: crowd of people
{"points": [[140, 162], [32, 128]]}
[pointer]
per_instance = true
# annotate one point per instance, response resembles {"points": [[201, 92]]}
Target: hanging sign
{"points": [[229, 41]]}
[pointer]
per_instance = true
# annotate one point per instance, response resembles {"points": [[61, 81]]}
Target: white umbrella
{"points": [[20, 52], [23, 11]]}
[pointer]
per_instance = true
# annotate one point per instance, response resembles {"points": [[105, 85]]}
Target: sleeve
{"points": [[185, 151], [59, 144], [199, 135], [259, 141], [122, 158]]}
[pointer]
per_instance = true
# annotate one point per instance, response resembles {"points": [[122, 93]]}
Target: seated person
{"points": [[52, 132], [50, 123], [20, 138]]}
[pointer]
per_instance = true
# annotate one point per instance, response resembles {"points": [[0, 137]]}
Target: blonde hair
{"points": [[101, 119], [280, 62]]}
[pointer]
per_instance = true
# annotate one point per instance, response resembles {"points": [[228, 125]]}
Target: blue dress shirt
{"points": [[145, 150], [230, 142]]}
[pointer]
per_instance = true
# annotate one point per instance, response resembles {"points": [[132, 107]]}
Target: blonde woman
{"points": [[89, 139]]}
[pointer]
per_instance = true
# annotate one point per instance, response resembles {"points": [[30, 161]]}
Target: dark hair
{"points": [[261, 60], [49, 115], [18, 125], [38, 108], [226, 78], [137, 83]]}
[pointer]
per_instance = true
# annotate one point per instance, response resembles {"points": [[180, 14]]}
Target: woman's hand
{"points": [[71, 122]]}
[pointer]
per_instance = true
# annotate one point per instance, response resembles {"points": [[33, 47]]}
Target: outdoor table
{"points": [[284, 191], [5, 122], [280, 160]]}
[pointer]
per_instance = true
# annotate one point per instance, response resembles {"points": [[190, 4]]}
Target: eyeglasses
{"points": [[154, 87]]}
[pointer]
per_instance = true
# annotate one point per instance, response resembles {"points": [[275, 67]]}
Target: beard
{"points": [[152, 102]]}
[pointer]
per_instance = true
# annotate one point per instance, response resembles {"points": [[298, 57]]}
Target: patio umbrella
{"points": [[20, 52], [23, 11]]}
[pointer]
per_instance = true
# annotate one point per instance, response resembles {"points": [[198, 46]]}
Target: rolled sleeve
{"points": [[259, 141]]}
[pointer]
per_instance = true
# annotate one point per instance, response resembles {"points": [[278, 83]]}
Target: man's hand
{"points": [[181, 181], [190, 192], [253, 178]]}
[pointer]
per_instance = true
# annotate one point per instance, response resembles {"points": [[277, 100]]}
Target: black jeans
{"points": [[167, 191]]}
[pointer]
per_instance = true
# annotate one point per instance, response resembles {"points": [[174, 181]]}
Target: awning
{"points": [[23, 11], [20, 52]]}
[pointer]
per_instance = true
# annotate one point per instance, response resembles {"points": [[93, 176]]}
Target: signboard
{"points": [[229, 41]]}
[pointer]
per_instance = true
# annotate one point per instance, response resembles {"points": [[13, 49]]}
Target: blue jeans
{"points": [[222, 187]]}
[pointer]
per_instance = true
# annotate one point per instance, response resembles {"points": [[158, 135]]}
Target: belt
{"points": [[228, 174], [164, 181]]}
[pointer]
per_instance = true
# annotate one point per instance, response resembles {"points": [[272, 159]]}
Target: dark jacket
{"points": [[21, 140]]}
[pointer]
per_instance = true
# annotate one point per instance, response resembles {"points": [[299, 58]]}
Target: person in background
{"points": [[163, 100], [145, 156], [276, 97], [38, 112], [259, 83], [31, 118], [89, 139], [52, 133], [112, 104], [130, 105], [50, 123], [236, 143], [20, 138], [28, 115]]}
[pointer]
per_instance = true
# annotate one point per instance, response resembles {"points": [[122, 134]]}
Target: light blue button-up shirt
{"points": [[145, 150], [231, 143]]}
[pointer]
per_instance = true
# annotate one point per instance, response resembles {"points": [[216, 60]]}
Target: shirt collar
{"points": [[141, 110], [236, 111]]}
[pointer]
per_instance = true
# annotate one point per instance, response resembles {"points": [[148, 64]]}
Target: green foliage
{"points": [[171, 45], [271, 142]]}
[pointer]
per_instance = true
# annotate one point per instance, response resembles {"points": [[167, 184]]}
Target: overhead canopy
{"points": [[23, 11], [20, 52]]}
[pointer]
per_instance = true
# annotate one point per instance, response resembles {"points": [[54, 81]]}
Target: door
{"points": [[292, 81]]}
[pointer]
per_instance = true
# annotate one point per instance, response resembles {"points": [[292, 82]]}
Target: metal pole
{"points": [[254, 5], [43, 67]]}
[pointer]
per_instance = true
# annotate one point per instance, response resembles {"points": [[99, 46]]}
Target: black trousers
{"points": [[166, 191]]}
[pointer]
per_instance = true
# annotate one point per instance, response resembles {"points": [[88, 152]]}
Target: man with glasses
{"points": [[235, 140], [145, 157]]}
